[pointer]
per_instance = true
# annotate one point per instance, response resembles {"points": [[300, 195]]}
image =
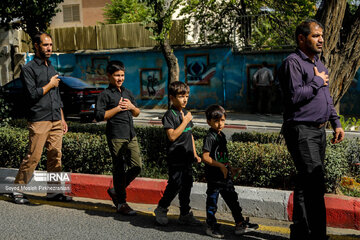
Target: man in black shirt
{"points": [[46, 120], [117, 105]]}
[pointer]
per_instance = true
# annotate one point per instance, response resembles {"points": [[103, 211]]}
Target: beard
{"points": [[43, 54]]}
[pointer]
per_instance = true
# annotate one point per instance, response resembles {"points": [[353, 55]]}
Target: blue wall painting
{"points": [[215, 75], [152, 84]]}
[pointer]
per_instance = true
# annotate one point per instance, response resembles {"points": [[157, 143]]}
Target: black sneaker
{"points": [[58, 198], [112, 194], [214, 231], [19, 198], [245, 226]]}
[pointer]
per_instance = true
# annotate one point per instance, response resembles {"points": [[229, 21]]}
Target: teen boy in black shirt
{"points": [[180, 156], [218, 176], [117, 105]]}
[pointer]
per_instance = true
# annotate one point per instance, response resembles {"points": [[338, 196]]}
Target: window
{"points": [[71, 13]]}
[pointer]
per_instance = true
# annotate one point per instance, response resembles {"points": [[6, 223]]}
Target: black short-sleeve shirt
{"points": [[180, 152], [121, 125], [215, 144]]}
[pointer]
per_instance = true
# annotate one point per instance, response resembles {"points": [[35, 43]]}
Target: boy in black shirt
{"points": [[219, 175], [180, 156], [117, 105]]}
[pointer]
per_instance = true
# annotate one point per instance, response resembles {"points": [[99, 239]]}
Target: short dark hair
{"points": [[114, 66], [304, 28], [215, 112], [265, 64], [178, 87], [37, 38]]}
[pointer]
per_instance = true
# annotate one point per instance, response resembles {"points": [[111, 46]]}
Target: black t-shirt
{"points": [[180, 152], [215, 144], [121, 125]]}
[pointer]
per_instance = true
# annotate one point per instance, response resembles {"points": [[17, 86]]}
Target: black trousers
{"points": [[306, 144], [180, 182], [228, 193]]}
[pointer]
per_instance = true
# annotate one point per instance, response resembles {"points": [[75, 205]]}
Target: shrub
{"points": [[262, 165], [5, 110], [259, 137]]}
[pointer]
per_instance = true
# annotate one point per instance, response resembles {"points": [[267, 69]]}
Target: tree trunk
{"points": [[341, 51], [171, 61]]}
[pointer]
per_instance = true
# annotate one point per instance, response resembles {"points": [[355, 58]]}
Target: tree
{"points": [[125, 11], [31, 16], [159, 22], [223, 21], [341, 51], [245, 23]]}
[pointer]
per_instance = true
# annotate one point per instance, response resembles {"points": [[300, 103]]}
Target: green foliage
{"points": [[336, 164], [125, 11], [259, 137], [5, 109], [158, 20], [262, 164], [350, 124], [253, 24], [29, 15]]}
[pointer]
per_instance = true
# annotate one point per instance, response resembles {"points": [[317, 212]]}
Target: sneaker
{"points": [[112, 194], [245, 226], [161, 215], [58, 197], [125, 209], [189, 219], [214, 231], [19, 198]]}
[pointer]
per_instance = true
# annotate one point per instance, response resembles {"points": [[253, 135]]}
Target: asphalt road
{"points": [[86, 220], [95, 219]]}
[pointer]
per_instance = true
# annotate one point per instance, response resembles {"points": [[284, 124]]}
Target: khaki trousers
{"points": [[43, 133]]}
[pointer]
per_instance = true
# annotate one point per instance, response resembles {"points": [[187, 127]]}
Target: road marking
{"points": [[111, 209]]}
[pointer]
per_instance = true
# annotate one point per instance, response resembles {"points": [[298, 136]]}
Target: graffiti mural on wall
{"points": [[96, 72], [198, 71], [152, 86]]}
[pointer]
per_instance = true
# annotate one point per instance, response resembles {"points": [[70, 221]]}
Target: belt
{"points": [[311, 124]]}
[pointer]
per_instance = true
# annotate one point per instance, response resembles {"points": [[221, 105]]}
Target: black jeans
{"points": [[228, 193], [180, 182], [124, 172], [306, 144]]}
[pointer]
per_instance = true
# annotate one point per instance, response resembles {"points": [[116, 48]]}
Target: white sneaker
{"points": [[161, 215], [189, 219]]}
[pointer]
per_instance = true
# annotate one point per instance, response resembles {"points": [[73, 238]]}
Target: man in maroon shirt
{"points": [[307, 107]]}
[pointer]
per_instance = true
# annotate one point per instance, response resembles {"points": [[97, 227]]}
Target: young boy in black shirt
{"points": [[219, 175], [180, 156], [117, 105]]}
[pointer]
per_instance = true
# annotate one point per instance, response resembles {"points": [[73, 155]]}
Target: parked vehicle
{"points": [[78, 96]]}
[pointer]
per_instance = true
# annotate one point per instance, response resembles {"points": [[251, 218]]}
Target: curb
{"points": [[342, 211]]}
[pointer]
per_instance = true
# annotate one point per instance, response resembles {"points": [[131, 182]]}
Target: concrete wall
{"points": [[228, 74], [93, 11], [58, 20]]}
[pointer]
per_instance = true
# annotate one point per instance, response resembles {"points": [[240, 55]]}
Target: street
{"points": [[97, 219]]}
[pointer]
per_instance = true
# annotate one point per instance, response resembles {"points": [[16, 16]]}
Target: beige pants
{"points": [[44, 133]]}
